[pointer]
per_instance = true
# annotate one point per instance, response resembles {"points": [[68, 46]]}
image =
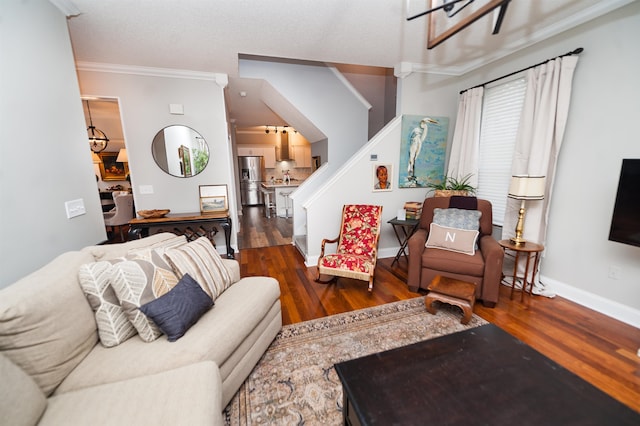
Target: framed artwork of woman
{"points": [[382, 177]]}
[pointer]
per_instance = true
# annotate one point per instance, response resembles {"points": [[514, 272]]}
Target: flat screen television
{"points": [[625, 223]]}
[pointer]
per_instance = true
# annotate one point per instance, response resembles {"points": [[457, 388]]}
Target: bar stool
{"points": [[285, 195], [269, 202]]}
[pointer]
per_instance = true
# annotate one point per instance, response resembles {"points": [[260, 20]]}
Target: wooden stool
{"points": [[454, 292]]}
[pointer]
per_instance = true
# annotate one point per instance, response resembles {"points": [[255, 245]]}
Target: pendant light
{"points": [[98, 141]]}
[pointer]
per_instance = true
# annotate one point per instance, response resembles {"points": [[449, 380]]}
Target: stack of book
{"points": [[413, 209]]}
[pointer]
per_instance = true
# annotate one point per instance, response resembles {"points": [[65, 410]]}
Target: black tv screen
{"points": [[625, 223]]}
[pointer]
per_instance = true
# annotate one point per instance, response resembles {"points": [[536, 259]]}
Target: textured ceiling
{"points": [[209, 35]]}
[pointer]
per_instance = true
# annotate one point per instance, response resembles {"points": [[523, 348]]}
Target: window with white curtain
{"points": [[501, 108]]}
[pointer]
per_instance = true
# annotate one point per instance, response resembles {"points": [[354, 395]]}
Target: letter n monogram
{"points": [[450, 236]]}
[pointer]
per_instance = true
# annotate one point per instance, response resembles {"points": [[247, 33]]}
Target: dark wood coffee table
{"points": [[478, 376]]}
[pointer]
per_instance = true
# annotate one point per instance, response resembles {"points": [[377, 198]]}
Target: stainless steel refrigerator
{"points": [[251, 175]]}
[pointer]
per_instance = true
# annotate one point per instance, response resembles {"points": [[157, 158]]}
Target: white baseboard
{"points": [[600, 304]]}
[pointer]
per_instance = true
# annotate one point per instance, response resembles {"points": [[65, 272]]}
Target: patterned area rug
{"points": [[295, 382]]}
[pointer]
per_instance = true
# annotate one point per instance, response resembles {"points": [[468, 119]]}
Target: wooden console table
{"points": [[191, 225]]}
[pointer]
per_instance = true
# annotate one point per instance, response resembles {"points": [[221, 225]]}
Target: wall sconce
{"points": [[525, 188]]}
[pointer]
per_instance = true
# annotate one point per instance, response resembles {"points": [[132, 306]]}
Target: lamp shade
{"points": [[122, 156], [527, 187]]}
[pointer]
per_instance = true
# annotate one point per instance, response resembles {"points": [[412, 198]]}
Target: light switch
{"points": [[75, 208], [146, 189], [176, 109]]}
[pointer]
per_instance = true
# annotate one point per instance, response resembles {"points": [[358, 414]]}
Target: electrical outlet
{"points": [[74, 208], [615, 272]]}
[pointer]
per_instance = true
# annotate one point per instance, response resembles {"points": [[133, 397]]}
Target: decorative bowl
{"points": [[152, 214]]}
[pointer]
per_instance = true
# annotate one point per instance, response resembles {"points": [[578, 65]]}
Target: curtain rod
{"points": [[573, 52]]}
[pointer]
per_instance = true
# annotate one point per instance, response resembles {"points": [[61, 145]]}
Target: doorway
{"points": [[110, 159]]}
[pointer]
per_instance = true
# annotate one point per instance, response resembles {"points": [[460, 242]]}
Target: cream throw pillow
{"points": [[452, 239], [201, 260], [138, 281], [113, 325]]}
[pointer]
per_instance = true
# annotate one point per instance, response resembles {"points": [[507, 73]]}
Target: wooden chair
{"points": [[357, 251]]}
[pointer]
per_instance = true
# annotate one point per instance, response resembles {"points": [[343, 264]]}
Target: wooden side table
{"points": [[530, 250], [407, 228], [191, 225], [454, 292]]}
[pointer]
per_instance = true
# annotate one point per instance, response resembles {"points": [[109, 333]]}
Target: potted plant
{"points": [[453, 186]]}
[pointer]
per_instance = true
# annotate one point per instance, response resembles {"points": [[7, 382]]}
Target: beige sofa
{"points": [[54, 370]]}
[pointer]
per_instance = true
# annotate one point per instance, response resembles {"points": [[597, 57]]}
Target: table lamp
{"points": [[122, 156], [525, 188]]}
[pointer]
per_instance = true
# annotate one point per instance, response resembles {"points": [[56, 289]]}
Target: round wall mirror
{"points": [[180, 151]]}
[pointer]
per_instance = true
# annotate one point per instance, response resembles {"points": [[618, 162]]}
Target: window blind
{"points": [[502, 105]]}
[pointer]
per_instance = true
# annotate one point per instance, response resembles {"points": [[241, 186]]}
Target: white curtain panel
{"points": [[540, 135], [463, 159]]}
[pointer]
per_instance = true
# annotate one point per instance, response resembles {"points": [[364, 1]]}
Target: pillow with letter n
{"points": [[452, 239]]}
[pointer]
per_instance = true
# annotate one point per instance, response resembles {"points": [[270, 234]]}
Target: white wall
{"points": [[144, 104], [601, 131], [43, 143], [372, 83], [315, 91], [420, 94]]}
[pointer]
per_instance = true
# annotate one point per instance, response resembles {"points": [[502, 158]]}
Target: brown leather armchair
{"points": [[484, 268]]}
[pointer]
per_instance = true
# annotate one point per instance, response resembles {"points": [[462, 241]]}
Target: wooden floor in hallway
{"points": [[257, 230]]}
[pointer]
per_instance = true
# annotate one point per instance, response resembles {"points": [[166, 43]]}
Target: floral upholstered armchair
{"points": [[357, 250]]}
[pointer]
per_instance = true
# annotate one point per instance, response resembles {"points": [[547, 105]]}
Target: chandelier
{"points": [[98, 141]]}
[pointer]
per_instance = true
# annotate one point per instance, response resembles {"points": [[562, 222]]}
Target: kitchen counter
{"points": [[284, 206], [293, 184]]}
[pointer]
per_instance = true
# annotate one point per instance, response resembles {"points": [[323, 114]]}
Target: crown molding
{"points": [[67, 7], [595, 11], [220, 79]]}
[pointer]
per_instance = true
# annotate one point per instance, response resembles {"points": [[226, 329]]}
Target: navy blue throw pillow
{"points": [[176, 311]]}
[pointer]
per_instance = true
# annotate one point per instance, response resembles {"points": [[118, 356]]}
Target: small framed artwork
{"points": [[110, 169], [213, 200], [382, 176]]}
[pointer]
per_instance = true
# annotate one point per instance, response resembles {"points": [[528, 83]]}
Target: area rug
{"points": [[295, 382]]}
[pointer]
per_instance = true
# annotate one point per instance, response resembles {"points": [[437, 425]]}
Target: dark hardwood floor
{"points": [[256, 230], [597, 348]]}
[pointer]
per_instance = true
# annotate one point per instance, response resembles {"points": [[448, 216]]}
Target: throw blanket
{"points": [[460, 202]]}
